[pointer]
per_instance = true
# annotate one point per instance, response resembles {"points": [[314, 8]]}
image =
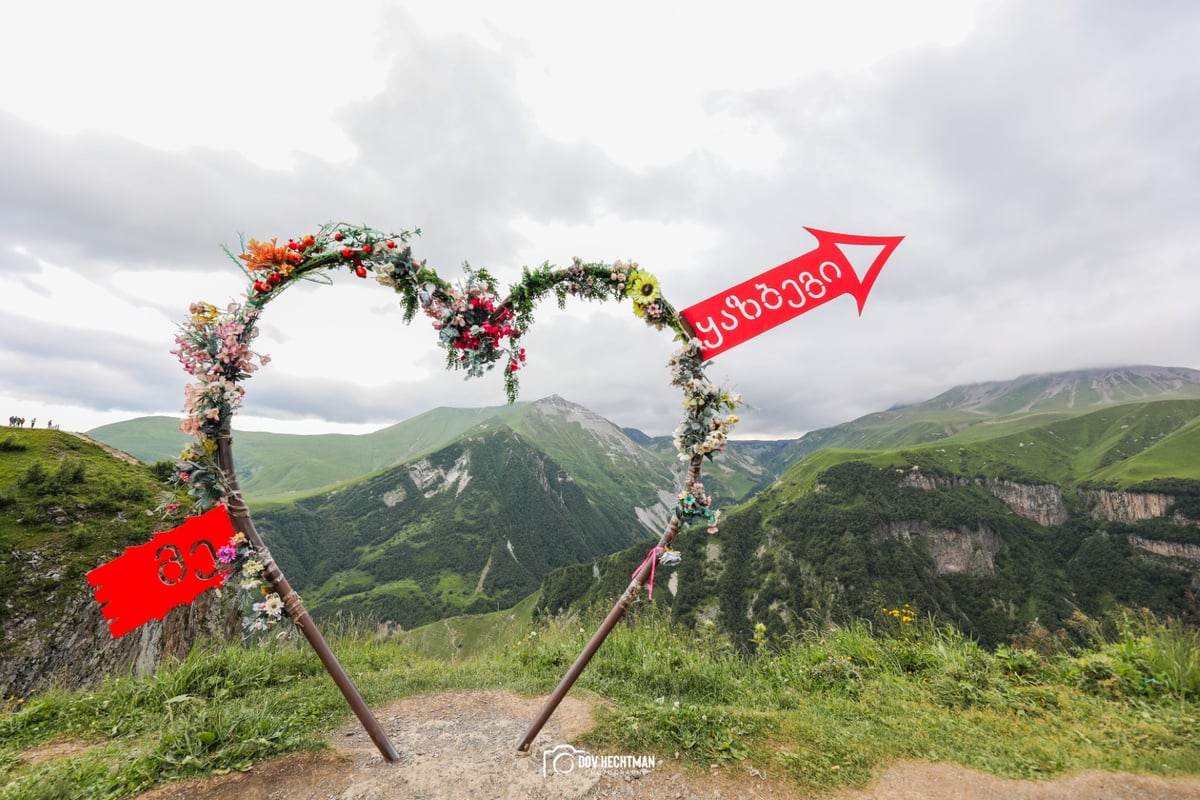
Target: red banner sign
{"points": [[787, 291], [172, 569]]}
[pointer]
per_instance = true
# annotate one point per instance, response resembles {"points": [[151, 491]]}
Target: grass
{"points": [[1174, 455], [472, 635], [823, 709], [1121, 444]]}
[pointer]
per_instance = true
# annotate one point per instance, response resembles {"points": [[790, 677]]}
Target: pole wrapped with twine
{"points": [[642, 576]]}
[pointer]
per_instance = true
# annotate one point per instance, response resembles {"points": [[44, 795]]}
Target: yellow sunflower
{"points": [[643, 288]]}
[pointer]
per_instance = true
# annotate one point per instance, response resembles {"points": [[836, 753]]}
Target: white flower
{"points": [[273, 606]]}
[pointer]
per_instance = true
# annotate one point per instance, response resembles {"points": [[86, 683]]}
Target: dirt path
{"points": [[112, 451], [462, 746]]}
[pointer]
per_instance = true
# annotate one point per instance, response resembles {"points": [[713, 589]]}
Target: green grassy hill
{"points": [[1119, 445], [69, 501], [1174, 453], [66, 507]]}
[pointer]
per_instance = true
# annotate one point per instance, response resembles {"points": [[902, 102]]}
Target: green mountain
{"points": [[1062, 511], [473, 527]]}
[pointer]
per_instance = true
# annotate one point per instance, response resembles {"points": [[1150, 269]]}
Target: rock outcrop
{"points": [[1121, 506], [1040, 502], [75, 649], [1180, 550], [954, 552]]}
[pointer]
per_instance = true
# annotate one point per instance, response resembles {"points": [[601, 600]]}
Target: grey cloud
{"points": [[449, 145], [1044, 172], [92, 369]]}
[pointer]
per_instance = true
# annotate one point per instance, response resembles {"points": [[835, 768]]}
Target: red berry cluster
{"points": [[281, 261], [355, 257]]}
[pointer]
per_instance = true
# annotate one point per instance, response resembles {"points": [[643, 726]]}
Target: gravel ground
{"points": [[462, 746]]}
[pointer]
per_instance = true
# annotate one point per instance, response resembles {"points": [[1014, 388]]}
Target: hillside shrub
{"points": [[163, 470], [34, 477], [10, 444], [37, 479]]}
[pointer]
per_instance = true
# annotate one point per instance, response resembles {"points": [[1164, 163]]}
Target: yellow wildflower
{"points": [[643, 289], [203, 313]]}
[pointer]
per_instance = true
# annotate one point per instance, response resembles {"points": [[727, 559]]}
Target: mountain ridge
{"points": [[279, 466]]}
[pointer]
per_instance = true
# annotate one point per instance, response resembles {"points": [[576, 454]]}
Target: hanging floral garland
{"points": [[476, 326]]}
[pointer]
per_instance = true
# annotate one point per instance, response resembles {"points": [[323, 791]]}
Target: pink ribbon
{"points": [[652, 557]]}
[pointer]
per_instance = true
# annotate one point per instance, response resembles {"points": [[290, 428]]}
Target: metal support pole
{"points": [[240, 515], [618, 611]]}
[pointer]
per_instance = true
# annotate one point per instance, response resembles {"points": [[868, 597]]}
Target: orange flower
{"points": [[267, 255]]}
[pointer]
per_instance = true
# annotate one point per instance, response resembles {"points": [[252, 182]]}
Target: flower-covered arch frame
{"points": [[478, 329]]}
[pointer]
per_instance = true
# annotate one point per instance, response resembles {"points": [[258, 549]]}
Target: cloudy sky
{"points": [[1041, 159]]}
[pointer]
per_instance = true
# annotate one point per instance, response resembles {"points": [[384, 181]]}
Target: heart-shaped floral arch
{"points": [[478, 330]]}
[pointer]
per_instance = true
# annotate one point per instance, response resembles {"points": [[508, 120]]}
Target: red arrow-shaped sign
{"points": [[787, 291], [147, 581]]}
